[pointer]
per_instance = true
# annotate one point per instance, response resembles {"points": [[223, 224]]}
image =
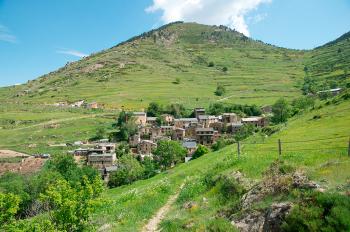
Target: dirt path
{"points": [[153, 223], [57, 121]]}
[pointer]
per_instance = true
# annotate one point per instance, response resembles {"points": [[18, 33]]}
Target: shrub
{"points": [[71, 207], [169, 153], [281, 111], [9, 205], [320, 212], [220, 90], [201, 150], [224, 69], [129, 170], [211, 64]]}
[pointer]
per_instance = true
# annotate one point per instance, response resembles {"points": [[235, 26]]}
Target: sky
{"points": [[40, 36]]}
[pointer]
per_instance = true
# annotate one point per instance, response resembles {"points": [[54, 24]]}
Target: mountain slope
{"points": [[144, 69], [328, 66], [322, 155]]}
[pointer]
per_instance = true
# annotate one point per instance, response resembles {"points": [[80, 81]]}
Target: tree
{"points": [[100, 133], [244, 132], [220, 90], [201, 150], [224, 69], [211, 64], [216, 108], [169, 153], [9, 206], [177, 110], [281, 111], [122, 149], [129, 170], [71, 207], [154, 109], [150, 167]]}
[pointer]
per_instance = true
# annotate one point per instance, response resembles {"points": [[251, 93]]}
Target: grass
{"points": [[131, 206], [144, 70]]}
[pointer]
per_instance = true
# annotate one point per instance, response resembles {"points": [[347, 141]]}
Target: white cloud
{"points": [[72, 53], [6, 36], [213, 12]]}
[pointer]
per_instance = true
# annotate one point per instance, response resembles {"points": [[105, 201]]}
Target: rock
{"points": [[253, 195], [189, 205], [300, 180], [266, 221], [253, 222], [275, 216]]}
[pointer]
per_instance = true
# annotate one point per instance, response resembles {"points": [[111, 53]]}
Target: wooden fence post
{"points": [[279, 149], [238, 149]]}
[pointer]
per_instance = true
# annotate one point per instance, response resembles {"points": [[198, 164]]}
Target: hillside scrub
{"points": [[319, 212], [220, 108]]}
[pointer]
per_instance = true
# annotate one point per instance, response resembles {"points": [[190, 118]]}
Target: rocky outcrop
{"points": [[275, 182], [269, 220]]}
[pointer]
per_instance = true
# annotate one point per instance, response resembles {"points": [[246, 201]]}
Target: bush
{"points": [[281, 111], [320, 212], [220, 90], [201, 150], [211, 64], [169, 153], [9, 205], [224, 69], [129, 170]]}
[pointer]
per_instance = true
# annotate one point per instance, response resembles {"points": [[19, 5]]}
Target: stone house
{"points": [[255, 121], [206, 120], [134, 140], [93, 105], [167, 119], [206, 136], [101, 161], [179, 134], [191, 147], [185, 122], [140, 118], [146, 147], [198, 112], [229, 118], [151, 121]]}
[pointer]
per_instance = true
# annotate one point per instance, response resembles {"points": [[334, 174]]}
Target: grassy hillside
{"points": [[328, 66], [316, 145], [143, 69]]}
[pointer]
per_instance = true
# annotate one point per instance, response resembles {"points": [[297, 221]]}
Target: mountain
{"points": [[177, 63], [145, 69]]}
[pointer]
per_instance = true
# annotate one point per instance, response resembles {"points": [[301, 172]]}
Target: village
{"points": [[202, 129]]}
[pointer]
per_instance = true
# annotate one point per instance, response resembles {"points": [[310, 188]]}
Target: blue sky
{"points": [[39, 36]]}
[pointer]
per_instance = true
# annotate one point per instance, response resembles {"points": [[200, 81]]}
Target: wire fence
{"points": [[334, 144]]}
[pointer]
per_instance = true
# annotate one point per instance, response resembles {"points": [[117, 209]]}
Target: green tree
{"points": [[129, 170], [201, 150], [244, 132], [216, 108], [177, 110], [9, 206], [281, 111], [177, 81], [150, 167], [100, 133], [71, 207], [154, 109], [220, 90], [169, 153], [122, 149], [224, 69]]}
